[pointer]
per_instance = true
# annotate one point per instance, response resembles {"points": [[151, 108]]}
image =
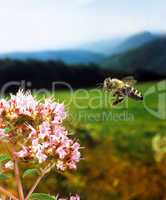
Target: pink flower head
{"points": [[60, 114], [39, 131], [23, 153], [49, 105], [60, 165], [75, 156], [9, 165], [44, 130], [71, 198], [3, 105], [60, 110], [3, 135], [61, 152], [33, 131], [75, 197], [24, 103], [41, 156], [62, 199], [72, 165]]}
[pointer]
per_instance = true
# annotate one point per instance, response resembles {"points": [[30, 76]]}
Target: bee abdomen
{"points": [[135, 94]]}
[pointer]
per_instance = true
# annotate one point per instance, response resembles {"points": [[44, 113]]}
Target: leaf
{"points": [[7, 130], [30, 172], [42, 196], [3, 176], [4, 157]]}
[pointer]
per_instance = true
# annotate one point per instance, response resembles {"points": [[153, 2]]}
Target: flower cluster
{"points": [[71, 198], [37, 128]]}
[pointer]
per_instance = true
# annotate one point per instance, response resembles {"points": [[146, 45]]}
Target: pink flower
{"points": [[23, 102], [23, 153], [57, 120], [75, 156], [49, 105], [61, 152], [3, 135], [35, 145], [72, 165], [75, 197], [62, 199], [76, 146], [33, 131], [71, 198], [44, 130], [41, 156], [59, 131], [46, 144], [38, 149], [60, 165], [3, 105], [9, 165], [60, 110], [60, 114]]}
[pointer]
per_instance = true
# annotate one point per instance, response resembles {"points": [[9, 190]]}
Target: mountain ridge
{"points": [[69, 56], [121, 44], [148, 57]]}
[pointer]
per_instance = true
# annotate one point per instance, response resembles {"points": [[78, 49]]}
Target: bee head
{"points": [[108, 84]]}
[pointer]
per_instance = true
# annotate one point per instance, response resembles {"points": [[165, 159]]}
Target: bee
{"points": [[122, 88]]}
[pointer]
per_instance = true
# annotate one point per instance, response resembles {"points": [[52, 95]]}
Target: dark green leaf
{"points": [[3, 176], [7, 130], [4, 157]]}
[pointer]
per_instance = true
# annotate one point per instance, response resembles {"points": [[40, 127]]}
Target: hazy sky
{"points": [[52, 24]]}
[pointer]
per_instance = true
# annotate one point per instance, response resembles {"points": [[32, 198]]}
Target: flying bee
{"points": [[122, 88]]}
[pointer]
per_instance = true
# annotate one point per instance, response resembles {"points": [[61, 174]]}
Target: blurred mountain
{"points": [[119, 45], [135, 41], [150, 57], [95, 52], [103, 46], [68, 56]]}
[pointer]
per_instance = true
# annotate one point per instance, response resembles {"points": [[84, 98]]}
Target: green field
{"points": [[118, 159], [128, 122]]}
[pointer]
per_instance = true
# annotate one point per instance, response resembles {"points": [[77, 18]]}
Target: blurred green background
{"points": [[118, 158]]}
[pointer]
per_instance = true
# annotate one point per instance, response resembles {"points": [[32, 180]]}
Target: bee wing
{"points": [[99, 85], [129, 80]]}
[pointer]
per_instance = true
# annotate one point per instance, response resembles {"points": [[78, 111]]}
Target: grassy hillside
{"points": [[150, 57]]}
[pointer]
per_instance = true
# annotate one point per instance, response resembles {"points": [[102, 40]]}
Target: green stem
{"points": [[18, 180], [43, 172]]}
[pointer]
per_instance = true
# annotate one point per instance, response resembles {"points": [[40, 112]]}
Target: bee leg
{"points": [[118, 100], [114, 94]]}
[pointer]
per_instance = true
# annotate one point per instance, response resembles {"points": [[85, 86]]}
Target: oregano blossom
{"points": [[34, 131]]}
